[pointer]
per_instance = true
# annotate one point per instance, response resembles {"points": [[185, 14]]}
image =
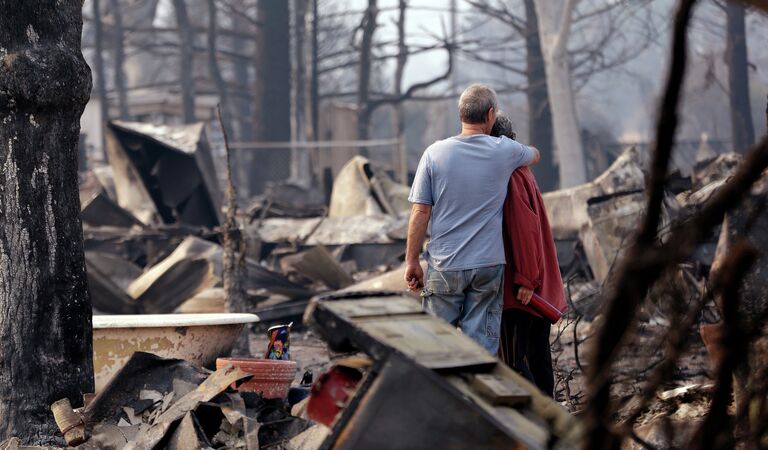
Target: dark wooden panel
{"points": [[409, 407]]}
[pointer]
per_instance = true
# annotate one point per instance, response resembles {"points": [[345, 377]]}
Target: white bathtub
{"points": [[198, 338]]}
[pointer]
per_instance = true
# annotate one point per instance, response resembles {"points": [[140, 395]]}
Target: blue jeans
{"points": [[470, 299]]}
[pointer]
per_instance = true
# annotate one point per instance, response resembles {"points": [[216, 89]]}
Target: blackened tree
{"points": [[738, 77], [45, 309]]}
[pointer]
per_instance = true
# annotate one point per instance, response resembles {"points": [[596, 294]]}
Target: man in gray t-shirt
{"points": [[461, 183]]}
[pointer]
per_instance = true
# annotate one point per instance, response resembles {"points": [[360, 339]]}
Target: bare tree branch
{"points": [[501, 11], [621, 310]]}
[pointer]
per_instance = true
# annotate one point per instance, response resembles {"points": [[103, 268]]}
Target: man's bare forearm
{"points": [[417, 231]]}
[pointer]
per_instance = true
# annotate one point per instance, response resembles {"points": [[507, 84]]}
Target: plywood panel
{"points": [[430, 341], [374, 306]]}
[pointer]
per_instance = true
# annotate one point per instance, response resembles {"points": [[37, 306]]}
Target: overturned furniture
{"points": [[431, 380]]}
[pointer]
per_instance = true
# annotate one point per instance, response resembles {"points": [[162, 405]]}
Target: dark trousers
{"points": [[524, 347]]}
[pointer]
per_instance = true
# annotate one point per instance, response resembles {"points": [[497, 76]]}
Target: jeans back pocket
{"points": [[442, 282]]}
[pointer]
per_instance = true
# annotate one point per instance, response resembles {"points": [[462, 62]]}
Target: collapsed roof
{"points": [[164, 174]]}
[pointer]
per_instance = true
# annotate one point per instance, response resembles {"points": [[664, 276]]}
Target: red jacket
{"points": [[529, 246]]}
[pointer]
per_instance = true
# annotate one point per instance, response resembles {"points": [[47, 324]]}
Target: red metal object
{"points": [[331, 393], [545, 309]]}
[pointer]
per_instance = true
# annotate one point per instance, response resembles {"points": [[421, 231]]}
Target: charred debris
{"points": [[152, 220]]}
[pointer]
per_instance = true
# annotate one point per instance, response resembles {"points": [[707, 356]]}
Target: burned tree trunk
{"points": [[273, 91], [300, 163], [742, 128], [241, 104], [554, 22], [118, 45], [314, 83], [215, 70], [233, 264], [101, 82], [45, 309], [186, 61], [364, 113], [539, 111], [398, 124], [242, 101]]}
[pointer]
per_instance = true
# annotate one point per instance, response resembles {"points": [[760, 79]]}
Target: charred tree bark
{"points": [[368, 27], [45, 310], [242, 75], [273, 91], [300, 170], [539, 111], [554, 22], [101, 82], [186, 61], [401, 158], [233, 264], [742, 128], [242, 105], [215, 70], [314, 83], [118, 46]]}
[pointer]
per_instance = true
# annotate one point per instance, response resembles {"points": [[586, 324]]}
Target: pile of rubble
{"points": [[152, 238], [593, 225], [151, 219], [168, 403], [152, 230], [151, 222], [362, 402], [597, 218]]}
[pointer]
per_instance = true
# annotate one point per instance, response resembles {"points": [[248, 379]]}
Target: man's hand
{"points": [[536, 156], [417, 230], [524, 295], [414, 276]]}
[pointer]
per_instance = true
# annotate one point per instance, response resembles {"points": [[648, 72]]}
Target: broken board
{"points": [[500, 391], [399, 324]]}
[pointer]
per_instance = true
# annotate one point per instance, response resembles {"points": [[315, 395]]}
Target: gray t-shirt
{"points": [[465, 179]]}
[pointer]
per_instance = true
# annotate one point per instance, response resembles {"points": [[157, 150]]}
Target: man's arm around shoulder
{"points": [[536, 156], [523, 155]]}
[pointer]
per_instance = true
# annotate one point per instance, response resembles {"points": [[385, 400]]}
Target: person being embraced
{"points": [[531, 270]]}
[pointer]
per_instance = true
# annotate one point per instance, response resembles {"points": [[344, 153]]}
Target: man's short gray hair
{"points": [[475, 102]]}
